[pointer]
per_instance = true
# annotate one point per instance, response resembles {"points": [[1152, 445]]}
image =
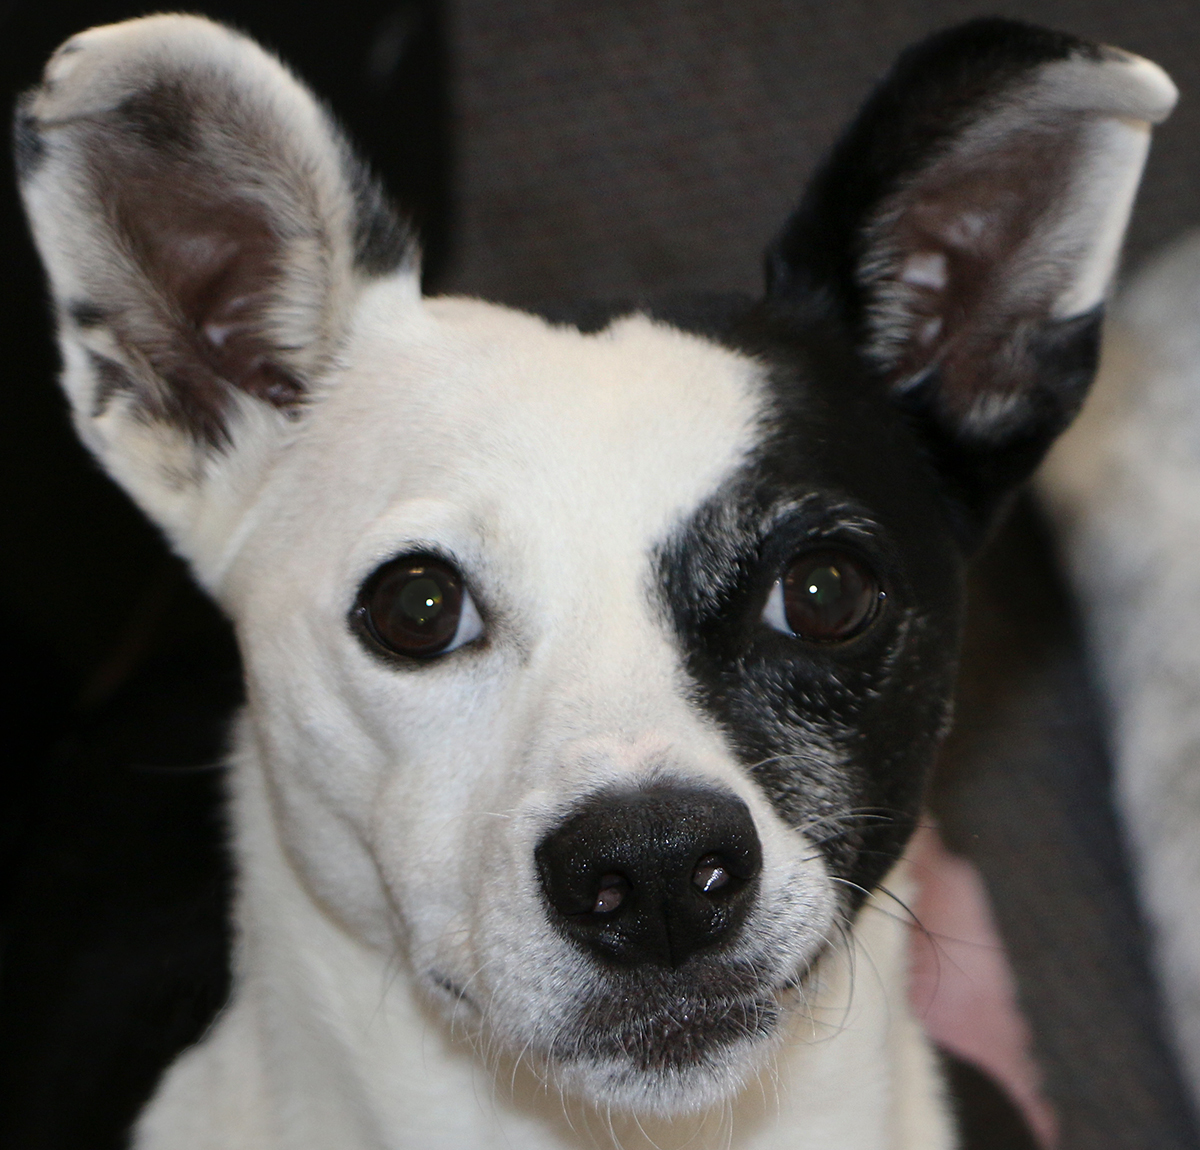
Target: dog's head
{"points": [[595, 663]]}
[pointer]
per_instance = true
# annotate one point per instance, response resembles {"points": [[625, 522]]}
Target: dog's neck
{"points": [[326, 1042]]}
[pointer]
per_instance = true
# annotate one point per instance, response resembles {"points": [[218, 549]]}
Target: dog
{"points": [[595, 659]]}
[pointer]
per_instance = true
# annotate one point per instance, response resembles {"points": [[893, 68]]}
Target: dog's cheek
{"points": [[438, 817], [845, 758], [321, 772], [388, 784], [360, 790], [527, 979], [798, 901], [460, 872], [428, 835]]}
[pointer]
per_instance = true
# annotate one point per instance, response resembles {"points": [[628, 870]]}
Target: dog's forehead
{"points": [[516, 428]]}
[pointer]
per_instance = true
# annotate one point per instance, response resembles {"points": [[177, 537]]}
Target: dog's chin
{"points": [[665, 1058]]}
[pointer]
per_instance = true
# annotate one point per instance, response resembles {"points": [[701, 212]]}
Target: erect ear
{"points": [[965, 230], [205, 229]]}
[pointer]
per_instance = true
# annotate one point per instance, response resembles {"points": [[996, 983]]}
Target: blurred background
{"points": [[545, 148]]}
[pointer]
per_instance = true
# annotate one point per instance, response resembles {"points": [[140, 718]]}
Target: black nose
{"points": [[651, 876]]}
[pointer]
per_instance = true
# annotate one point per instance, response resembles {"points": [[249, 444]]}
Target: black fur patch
{"points": [[86, 315], [29, 148], [933, 90], [842, 737], [839, 736], [382, 240], [163, 116], [111, 379]]}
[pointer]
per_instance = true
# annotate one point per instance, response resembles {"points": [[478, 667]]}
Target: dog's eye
{"points": [[824, 596], [417, 605]]}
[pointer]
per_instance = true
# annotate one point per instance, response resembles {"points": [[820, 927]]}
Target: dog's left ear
{"points": [[965, 230]]}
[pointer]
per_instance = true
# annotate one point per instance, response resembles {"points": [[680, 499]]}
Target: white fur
{"points": [[1117, 101], [1124, 488]]}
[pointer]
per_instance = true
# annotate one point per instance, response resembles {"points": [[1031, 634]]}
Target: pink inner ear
{"points": [[967, 275], [212, 259], [962, 987]]}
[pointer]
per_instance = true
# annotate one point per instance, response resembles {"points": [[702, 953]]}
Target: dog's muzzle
{"points": [[654, 885]]}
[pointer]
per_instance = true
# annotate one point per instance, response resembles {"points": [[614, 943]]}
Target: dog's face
{"points": [[596, 666], [621, 532]]}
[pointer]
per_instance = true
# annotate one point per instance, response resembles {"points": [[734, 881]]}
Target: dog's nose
{"points": [[653, 875]]}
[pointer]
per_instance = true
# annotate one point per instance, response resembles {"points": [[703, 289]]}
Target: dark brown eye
{"points": [[416, 605], [824, 596]]}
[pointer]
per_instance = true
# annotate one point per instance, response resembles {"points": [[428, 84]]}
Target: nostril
{"points": [[711, 874], [614, 888]]}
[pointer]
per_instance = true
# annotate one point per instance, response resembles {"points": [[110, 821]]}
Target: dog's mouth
{"points": [[453, 989], [667, 1034], [655, 1047], [670, 1041], [656, 1043], [660, 1018]]}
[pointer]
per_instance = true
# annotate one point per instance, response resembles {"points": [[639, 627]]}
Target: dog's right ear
{"points": [[205, 229], [964, 232]]}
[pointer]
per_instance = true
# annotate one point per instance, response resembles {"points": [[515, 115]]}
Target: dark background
{"points": [[546, 148]]}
